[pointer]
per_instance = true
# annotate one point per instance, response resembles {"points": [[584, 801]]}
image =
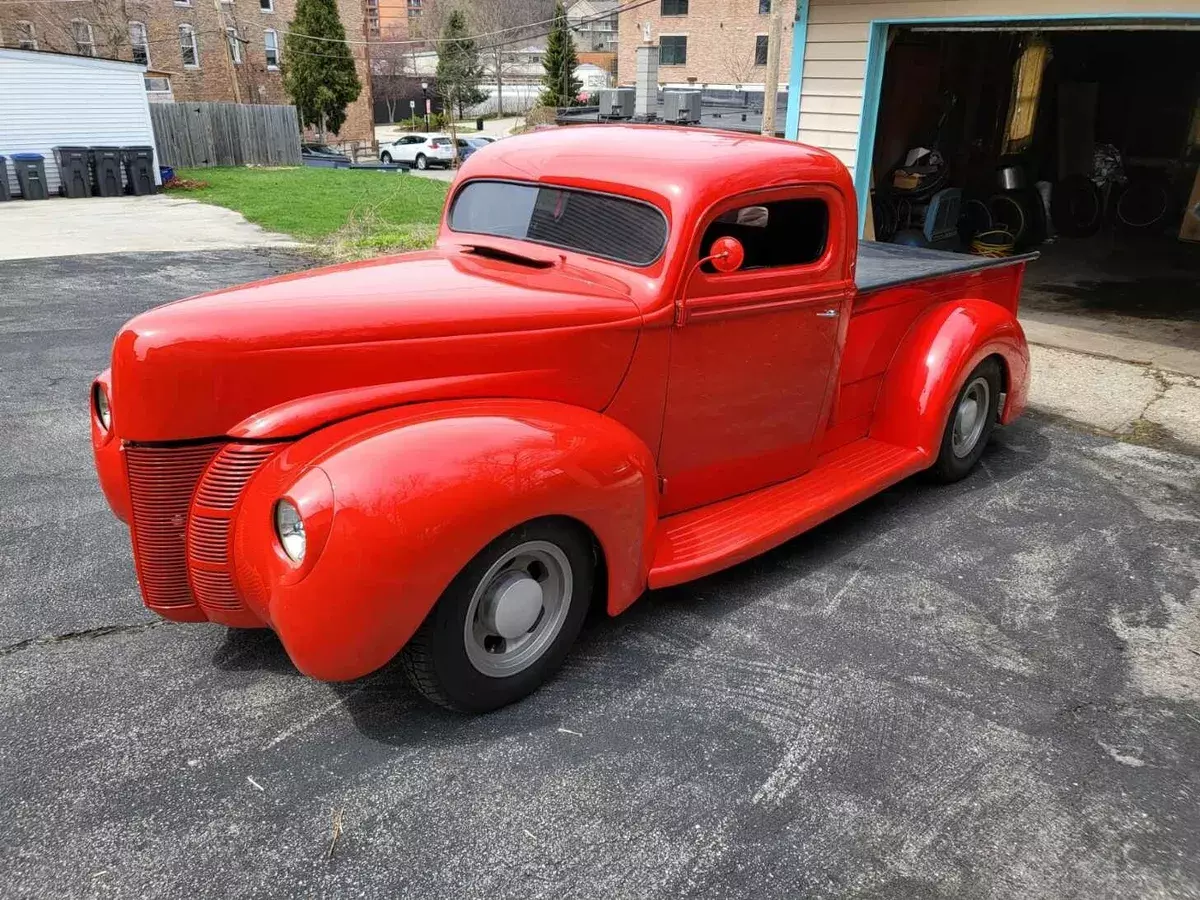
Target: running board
{"points": [[705, 540]]}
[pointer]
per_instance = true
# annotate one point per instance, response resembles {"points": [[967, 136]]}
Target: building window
{"points": [[760, 50], [414, 8], [26, 39], [674, 7], [672, 49], [266, 5], [764, 7], [183, 2], [188, 48], [271, 43], [138, 43], [81, 31], [235, 45]]}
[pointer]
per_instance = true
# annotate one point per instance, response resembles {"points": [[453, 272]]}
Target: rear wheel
{"points": [[422, 162], [972, 418], [506, 622]]}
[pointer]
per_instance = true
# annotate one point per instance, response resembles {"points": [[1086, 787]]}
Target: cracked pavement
{"points": [[988, 690]]}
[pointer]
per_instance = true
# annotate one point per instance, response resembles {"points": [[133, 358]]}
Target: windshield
{"points": [[603, 225]]}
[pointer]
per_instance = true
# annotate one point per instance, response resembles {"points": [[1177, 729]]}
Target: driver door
{"points": [[754, 351]]}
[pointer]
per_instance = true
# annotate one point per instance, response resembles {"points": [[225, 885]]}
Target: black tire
{"points": [[1010, 213], [1144, 203], [1076, 207], [436, 659], [951, 465], [385, 157], [421, 162]]}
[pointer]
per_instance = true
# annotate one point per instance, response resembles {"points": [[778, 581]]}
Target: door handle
{"points": [[828, 313]]}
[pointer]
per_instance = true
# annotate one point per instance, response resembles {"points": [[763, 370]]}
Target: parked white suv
{"points": [[422, 150]]}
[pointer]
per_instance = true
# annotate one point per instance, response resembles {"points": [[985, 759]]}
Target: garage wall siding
{"points": [[835, 57], [53, 101]]}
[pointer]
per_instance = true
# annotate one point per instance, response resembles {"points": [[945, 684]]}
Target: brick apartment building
{"points": [[183, 43], [393, 18], [718, 43]]}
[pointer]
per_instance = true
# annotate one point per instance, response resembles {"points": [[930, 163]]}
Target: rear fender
{"points": [[415, 492], [937, 354]]}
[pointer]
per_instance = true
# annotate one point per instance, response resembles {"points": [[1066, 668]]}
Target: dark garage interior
{"points": [[1081, 142]]}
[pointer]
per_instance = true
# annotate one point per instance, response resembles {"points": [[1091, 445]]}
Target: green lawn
{"points": [[344, 212]]}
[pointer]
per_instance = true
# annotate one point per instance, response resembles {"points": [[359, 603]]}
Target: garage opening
{"points": [[1080, 141]]}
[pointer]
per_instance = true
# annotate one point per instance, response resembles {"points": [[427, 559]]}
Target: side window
{"points": [[782, 233]]}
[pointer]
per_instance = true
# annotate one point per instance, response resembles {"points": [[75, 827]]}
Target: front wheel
{"points": [[385, 157], [505, 623], [970, 424], [422, 162]]}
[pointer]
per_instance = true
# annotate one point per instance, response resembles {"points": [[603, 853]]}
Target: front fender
{"points": [[937, 354], [415, 492]]}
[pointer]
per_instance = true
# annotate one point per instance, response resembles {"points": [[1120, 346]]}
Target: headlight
{"points": [[289, 527], [100, 402]]}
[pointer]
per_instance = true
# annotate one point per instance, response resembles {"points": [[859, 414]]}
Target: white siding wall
{"points": [[835, 58], [48, 101]]}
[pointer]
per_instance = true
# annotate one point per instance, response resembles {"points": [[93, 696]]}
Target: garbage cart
{"points": [[139, 169], [73, 174], [31, 175], [106, 171]]}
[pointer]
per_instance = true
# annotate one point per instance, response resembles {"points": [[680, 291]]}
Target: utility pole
{"points": [[771, 88], [233, 79]]}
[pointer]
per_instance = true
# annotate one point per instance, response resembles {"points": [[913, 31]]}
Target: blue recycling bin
{"points": [[31, 175]]}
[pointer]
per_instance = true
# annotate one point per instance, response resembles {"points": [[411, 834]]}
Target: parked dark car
{"points": [[322, 155]]}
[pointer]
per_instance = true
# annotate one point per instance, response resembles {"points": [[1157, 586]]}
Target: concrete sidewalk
{"points": [[61, 227], [1140, 390]]}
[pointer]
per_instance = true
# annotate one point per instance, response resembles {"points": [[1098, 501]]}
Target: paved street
{"points": [[990, 690]]}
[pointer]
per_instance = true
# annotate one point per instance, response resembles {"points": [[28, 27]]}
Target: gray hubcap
{"points": [[518, 609], [971, 416]]}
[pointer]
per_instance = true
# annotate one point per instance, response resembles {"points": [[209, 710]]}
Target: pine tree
{"points": [[560, 87], [319, 75], [458, 68]]}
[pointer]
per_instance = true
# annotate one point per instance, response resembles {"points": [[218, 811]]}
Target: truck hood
{"points": [[278, 357]]}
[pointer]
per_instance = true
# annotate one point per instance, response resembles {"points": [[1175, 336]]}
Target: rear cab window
{"points": [[607, 226]]}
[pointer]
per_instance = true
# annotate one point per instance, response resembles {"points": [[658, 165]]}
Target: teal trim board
{"points": [[796, 72], [877, 57]]}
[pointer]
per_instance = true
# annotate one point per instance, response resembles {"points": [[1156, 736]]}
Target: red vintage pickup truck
{"points": [[636, 356]]}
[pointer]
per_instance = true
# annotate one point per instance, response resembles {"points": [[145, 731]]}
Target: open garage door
{"points": [[1077, 138]]}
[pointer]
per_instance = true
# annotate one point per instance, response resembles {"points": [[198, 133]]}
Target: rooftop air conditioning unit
{"points": [[681, 107], [616, 103]]}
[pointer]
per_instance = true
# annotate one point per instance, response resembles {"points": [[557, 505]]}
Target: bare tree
{"points": [[502, 25], [737, 62], [393, 66], [103, 24], [507, 26]]}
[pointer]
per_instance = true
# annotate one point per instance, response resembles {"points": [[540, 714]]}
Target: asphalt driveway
{"points": [[988, 690]]}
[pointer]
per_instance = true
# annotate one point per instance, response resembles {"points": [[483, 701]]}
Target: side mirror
{"points": [[727, 254]]}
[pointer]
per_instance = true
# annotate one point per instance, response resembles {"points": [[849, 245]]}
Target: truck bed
{"points": [[888, 265]]}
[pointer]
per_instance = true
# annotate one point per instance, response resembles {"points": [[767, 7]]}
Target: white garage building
{"points": [[50, 100]]}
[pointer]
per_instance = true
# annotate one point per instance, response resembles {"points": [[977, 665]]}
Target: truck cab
{"points": [[636, 355]]}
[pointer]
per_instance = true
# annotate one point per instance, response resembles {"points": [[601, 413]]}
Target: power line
{"points": [[624, 7]]}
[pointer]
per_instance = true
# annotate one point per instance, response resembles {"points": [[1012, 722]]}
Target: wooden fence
{"points": [[225, 134]]}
